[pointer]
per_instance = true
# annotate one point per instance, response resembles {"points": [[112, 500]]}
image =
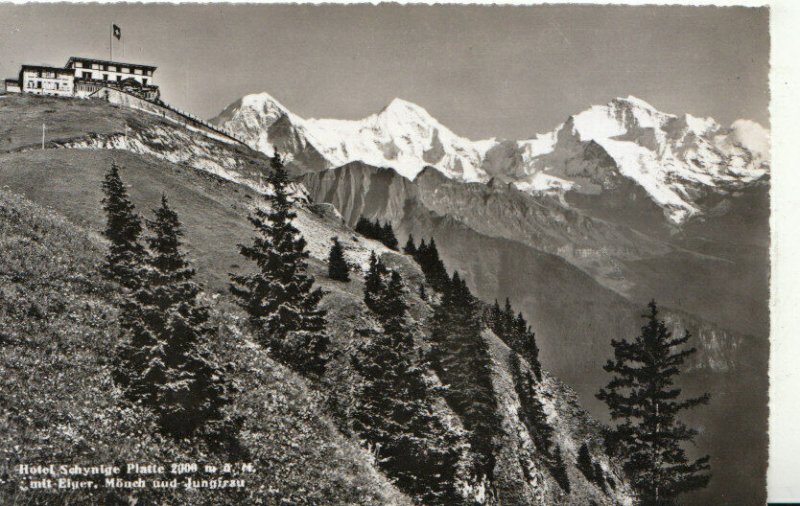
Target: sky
{"points": [[483, 71]]}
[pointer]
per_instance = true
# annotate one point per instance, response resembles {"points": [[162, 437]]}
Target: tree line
{"points": [[166, 361], [380, 232]]}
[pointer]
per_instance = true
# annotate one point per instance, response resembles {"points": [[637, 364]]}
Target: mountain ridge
{"points": [[675, 159]]}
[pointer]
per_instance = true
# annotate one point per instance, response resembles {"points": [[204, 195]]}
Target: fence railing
{"points": [[187, 115]]}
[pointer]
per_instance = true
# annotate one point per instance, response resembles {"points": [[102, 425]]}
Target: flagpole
{"points": [[111, 42]]}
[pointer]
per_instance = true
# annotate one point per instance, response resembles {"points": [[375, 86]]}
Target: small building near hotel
{"points": [[12, 86], [46, 80]]}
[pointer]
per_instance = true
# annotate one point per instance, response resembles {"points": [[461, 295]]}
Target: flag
{"points": [[117, 31]]}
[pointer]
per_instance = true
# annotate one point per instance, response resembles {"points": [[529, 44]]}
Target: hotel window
{"points": [[144, 81], [138, 72], [105, 77], [39, 84], [112, 68], [125, 70], [119, 78], [30, 84], [86, 75]]}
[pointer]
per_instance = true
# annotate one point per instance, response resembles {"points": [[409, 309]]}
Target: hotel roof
{"points": [[108, 62], [47, 67]]}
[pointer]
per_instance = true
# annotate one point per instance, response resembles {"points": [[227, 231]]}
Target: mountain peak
{"points": [[398, 103], [635, 102], [402, 107], [262, 101]]}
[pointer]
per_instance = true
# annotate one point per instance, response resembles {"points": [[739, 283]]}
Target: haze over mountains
{"points": [[676, 160]]}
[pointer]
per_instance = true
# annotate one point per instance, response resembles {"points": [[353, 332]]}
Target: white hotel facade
{"points": [[81, 77]]}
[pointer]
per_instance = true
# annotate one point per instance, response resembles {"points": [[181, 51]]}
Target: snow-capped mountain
{"points": [[675, 159], [402, 136]]}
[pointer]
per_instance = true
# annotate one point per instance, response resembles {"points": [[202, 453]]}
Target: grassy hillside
{"points": [[59, 403]]}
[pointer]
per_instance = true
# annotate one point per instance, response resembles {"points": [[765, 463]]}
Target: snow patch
{"points": [[751, 136]]}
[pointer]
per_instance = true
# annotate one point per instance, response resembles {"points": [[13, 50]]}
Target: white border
{"points": [[784, 469]]}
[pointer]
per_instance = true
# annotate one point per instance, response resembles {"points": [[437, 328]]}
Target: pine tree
{"points": [[365, 227], [410, 248], [460, 356], [337, 266], [531, 412], [423, 294], [600, 476], [123, 228], [387, 236], [413, 444], [280, 297], [374, 285], [432, 266], [559, 470], [493, 318], [530, 351], [642, 398], [508, 320], [516, 333], [585, 463], [168, 364], [374, 230]]}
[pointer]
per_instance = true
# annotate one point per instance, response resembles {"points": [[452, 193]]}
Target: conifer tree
{"points": [[410, 248], [600, 477], [531, 412], [432, 266], [337, 266], [123, 228], [168, 364], [367, 228], [585, 463], [530, 351], [423, 294], [516, 333], [374, 230], [387, 236], [559, 470], [413, 444], [493, 318], [460, 356], [280, 298], [374, 286], [508, 319], [645, 402]]}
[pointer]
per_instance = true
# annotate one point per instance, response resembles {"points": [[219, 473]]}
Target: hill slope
{"points": [[60, 405]]}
